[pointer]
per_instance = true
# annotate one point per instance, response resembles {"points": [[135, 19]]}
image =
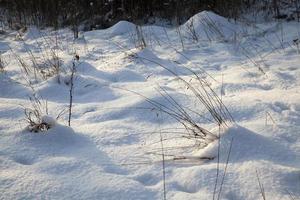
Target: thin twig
{"points": [[163, 163], [218, 164], [71, 91], [225, 170], [261, 187]]}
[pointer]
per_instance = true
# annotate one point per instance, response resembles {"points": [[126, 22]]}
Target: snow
{"points": [[48, 120], [31, 34], [122, 27], [210, 26], [112, 149]]}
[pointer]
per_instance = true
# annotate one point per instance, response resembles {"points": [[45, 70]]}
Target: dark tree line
{"points": [[104, 13]]}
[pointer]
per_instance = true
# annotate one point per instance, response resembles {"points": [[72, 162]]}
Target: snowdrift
{"points": [[113, 149], [210, 26], [247, 145], [122, 27]]}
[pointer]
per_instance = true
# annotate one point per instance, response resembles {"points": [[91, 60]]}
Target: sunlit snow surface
{"points": [[113, 150]]}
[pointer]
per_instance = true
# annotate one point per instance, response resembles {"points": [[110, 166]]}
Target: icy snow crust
{"points": [[112, 151]]}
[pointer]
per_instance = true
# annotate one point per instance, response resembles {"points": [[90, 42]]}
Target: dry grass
{"points": [[34, 114], [2, 64]]}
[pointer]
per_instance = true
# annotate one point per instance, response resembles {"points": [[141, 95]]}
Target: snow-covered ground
{"points": [[113, 148]]}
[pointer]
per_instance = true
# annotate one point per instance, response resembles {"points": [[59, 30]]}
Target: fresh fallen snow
{"points": [[113, 151], [122, 27], [210, 26]]}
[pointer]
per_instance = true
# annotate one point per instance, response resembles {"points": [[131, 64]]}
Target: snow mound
{"points": [[147, 54], [126, 75], [32, 33], [247, 145], [210, 26], [122, 27], [49, 120], [14, 90], [58, 136]]}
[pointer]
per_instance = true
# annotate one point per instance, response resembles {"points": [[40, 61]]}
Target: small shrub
{"points": [[41, 65], [37, 115], [205, 97], [51, 67]]}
